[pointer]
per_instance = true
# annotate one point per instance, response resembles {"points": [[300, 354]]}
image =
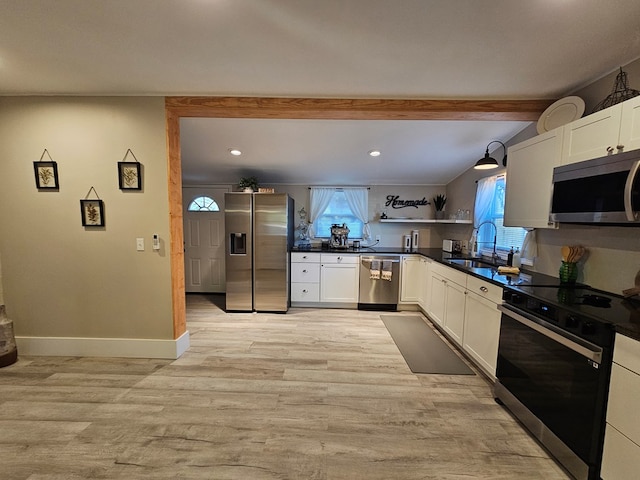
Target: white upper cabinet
{"points": [[630, 126], [530, 164], [593, 136], [529, 174], [609, 131]]}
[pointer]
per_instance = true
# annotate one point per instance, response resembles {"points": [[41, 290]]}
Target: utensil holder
{"points": [[568, 272]]}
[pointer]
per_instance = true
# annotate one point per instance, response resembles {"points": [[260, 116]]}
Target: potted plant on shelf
{"points": [[248, 184], [439, 202]]}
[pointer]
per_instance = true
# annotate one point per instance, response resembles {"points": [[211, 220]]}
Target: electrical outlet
{"points": [[377, 238]]}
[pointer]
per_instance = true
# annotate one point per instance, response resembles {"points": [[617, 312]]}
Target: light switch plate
{"points": [[140, 244]]}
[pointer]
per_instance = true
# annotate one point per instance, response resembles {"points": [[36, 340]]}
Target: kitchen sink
{"points": [[472, 263]]}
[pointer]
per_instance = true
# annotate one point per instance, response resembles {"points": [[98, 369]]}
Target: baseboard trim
{"points": [[103, 347]]}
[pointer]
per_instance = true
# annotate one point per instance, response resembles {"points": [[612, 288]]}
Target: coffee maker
{"points": [[339, 236]]}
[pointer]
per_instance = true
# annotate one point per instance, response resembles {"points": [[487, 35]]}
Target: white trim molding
{"points": [[103, 347]]}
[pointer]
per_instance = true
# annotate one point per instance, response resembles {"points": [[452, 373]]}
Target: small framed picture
{"points": [[129, 176], [46, 175], [92, 213]]}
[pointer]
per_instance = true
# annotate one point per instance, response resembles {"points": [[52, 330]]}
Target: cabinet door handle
{"points": [[620, 147], [339, 259], [304, 256], [609, 149], [304, 271], [484, 289], [304, 291]]}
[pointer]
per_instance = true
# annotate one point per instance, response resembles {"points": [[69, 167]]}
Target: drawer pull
{"points": [[304, 256], [484, 289], [304, 271], [305, 291]]}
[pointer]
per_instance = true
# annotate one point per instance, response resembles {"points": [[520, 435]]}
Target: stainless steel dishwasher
{"points": [[377, 292]]}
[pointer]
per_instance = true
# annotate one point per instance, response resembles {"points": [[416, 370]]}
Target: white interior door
{"points": [[204, 247]]}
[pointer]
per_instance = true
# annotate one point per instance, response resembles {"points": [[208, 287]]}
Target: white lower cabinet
{"points": [[339, 278], [425, 284], [411, 278], [482, 324], [447, 300], [466, 309], [305, 277], [437, 298], [621, 456], [454, 311]]}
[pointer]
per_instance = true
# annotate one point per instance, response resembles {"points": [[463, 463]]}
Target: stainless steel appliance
{"points": [[453, 246], [554, 364], [339, 236], [603, 190], [379, 291], [259, 236]]}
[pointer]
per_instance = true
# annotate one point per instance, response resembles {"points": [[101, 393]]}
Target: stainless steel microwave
{"points": [[602, 190]]}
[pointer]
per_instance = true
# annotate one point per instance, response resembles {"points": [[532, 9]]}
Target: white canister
{"points": [[406, 241], [415, 239]]}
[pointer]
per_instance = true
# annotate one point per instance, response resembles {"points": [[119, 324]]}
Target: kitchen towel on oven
{"points": [[374, 270], [386, 270]]}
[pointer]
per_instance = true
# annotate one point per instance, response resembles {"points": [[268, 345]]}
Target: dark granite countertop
{"points": [[440, 256], [625, 325]]}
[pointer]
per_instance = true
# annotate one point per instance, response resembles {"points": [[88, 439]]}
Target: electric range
{"points": [[554, 364]]}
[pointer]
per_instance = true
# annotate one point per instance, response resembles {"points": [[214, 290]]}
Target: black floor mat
{"points": [[421, 347]]}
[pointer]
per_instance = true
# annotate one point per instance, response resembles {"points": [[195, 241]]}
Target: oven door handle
{"points": [[578, 345]]}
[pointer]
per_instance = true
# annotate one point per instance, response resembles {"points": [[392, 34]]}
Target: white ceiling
{"points": [[426, 49]]}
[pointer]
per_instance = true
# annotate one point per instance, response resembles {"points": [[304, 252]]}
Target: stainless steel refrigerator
{"points": [[259, 236]]}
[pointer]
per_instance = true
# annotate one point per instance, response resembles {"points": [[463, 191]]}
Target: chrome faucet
{"points": [[494, 255]]}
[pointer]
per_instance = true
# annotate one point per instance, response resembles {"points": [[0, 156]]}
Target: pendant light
{"points": [[488, 162]]}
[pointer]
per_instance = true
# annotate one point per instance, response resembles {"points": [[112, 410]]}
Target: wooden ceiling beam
{"points": [[356, 109]]}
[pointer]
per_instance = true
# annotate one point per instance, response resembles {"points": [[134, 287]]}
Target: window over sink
{"points": [[490, 197]]}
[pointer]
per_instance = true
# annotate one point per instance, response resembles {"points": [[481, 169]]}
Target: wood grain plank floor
{"points": [[313, 394]]}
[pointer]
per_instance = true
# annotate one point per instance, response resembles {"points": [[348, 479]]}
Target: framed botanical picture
{"points": [[129, 176], [46, 175], [92, 213]]}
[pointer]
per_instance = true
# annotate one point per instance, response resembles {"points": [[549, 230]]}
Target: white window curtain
{"points": [[319, 200], [358, 200], [484, 199]]}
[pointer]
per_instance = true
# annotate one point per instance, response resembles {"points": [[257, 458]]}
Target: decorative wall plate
{"points": [[559, 113]]}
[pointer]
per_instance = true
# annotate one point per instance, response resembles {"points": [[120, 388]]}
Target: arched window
{"points": [[203, 204]]}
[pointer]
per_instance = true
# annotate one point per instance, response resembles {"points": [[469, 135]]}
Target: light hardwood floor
{"points": [[313, 394]]}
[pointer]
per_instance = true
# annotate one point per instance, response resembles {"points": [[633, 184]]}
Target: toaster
{"points": [[454, 246]]}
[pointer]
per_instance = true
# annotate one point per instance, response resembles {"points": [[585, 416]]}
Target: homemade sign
{"points": [[394, 201]]}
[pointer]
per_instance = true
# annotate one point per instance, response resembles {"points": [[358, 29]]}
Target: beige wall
{"points": [[61, 279], [596, 92], [390, 233], [1, 294]]}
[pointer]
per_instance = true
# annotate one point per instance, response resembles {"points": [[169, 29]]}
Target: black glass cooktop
{"points": [[585, 301]]}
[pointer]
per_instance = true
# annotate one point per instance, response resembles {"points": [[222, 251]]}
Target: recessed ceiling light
{"points": [[374, 153], [235, 151]]}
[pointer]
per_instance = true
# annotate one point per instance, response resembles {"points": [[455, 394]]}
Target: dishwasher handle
{"points": [[381, 259]]}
